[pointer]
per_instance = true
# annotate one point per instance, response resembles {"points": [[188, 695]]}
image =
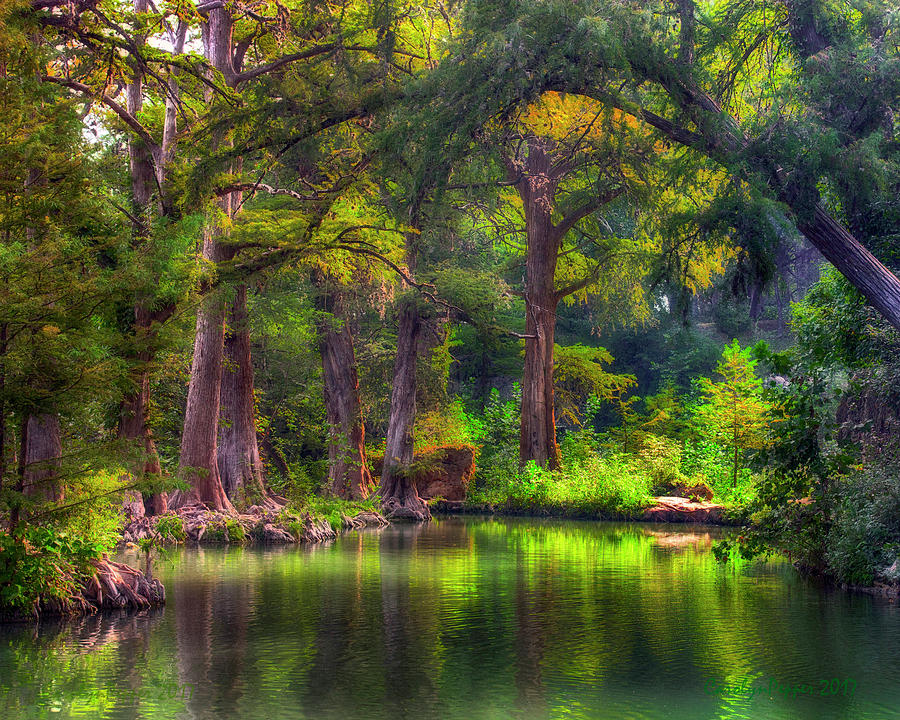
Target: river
{"points": [[468, 618]]}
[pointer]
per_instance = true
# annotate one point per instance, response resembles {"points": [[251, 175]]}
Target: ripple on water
{"points": [[468, 618]]}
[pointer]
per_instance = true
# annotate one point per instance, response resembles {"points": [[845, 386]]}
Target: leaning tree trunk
{"points": [[42, 453], [861, 268], [240, 465], [348, 471], [399, 497]]}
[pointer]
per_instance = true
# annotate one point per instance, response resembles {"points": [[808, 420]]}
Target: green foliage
{"points": [[731, 317], [863, 543], [331, 509], [449, 425], [496, 431], [234, 531], [43, 563], [733, 411], [803, 467], [661, 457], [836, 328], [661, 416], [171, 528], [578, 374], [607, 486]]}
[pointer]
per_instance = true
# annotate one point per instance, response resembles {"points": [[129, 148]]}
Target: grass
{"points": [[333, 509], [603, 486]]}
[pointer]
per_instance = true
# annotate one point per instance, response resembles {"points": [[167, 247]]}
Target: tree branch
{"points": [[568, 222], [123, 114], [281, 62]]}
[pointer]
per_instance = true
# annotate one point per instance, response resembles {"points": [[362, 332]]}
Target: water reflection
{"points": [[466, 618]]}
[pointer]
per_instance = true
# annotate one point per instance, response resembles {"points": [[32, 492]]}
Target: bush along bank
{"points": [[65, 570], [45, 571]]}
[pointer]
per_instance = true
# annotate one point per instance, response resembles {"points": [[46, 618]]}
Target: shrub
{"points": [[864, 539], [613, 485], [170, 528], [234, 531], [661, 456], [42, 563], [447, 426]]}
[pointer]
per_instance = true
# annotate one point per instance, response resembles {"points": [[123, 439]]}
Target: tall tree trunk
{"points": [[240, 465], [757, 301], [198, 464], [400, 498], [348, 471], [133, 426], [4, 334], [42, 452], [537, 438]]}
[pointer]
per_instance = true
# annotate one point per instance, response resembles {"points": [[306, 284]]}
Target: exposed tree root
{"points": [[268, 524]]}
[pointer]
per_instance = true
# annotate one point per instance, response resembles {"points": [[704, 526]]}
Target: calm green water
{"points": [[467, 618]]}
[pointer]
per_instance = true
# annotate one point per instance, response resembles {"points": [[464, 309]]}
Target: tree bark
{"points": [[537, 188], [198, 464], [240, 465], [876, 283], [537, 438], [400, 498], [42, 453], [133, 426], [348, 471]]}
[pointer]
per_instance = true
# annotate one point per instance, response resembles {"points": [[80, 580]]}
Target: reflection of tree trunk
{"points": [[212, 622], [529, 648], [348, 472], [195, 652], [43, 450], [240, 466], [400, 499], [409, 684], [341, 629]]}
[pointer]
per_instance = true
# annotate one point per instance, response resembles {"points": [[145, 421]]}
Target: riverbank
{"points": [[674, 510], [664, 509], [258, 525], [103, 584]]}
